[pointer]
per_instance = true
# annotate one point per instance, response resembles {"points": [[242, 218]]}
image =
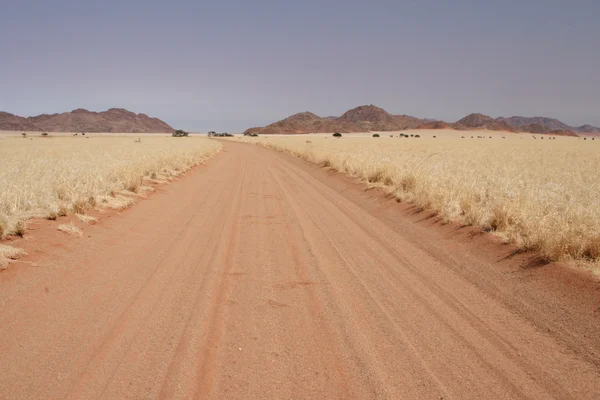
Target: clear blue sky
{"points": [[227, 65]]}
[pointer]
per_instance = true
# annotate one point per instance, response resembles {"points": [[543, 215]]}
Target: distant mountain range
{"points": [[372, 118], [80, 120]]}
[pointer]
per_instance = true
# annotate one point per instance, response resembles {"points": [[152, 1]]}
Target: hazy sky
{"points": [[227, 65]]}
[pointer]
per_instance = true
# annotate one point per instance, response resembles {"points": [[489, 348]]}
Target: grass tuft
{"points": [[8, 253], [70, 229]]}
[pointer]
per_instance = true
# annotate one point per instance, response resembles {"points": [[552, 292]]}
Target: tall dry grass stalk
{"points": [[58, 176], [542, 195]]}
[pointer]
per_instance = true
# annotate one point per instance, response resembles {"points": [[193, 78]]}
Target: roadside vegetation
{"points": [[540, 195], [66, 175]]}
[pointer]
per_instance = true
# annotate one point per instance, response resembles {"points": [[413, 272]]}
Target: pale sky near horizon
{"points": [[231, 64]]}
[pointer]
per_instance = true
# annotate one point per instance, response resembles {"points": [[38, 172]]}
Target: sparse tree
{"points": [[180, 133]]}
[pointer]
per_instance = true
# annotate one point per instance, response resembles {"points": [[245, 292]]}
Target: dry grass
{"points": [[9, 253], [88, 219], [48, 178], [542, 195], [70, 229]]}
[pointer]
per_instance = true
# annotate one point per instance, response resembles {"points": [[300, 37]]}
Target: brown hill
{"points": [[434, 125], [522, 122], [11, 122], [587, 129], [409, 122], [535, 128], [475, 120], [80, 120], [305, 122], [551, 124], [372, 118], [482, 121], [359, 119]]}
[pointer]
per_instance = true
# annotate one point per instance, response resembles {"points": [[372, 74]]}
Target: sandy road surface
{"points": [[258, 277]]}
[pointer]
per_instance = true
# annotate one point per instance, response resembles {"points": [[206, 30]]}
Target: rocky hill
{"points": [[551, 124], [11, 122], [359, 119], [434, 125], [587, 129], [481, 121], [80, 120], [519, 122], [475, 120], [305, 122]]}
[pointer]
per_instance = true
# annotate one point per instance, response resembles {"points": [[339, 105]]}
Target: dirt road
{"points": [[260, 277]]}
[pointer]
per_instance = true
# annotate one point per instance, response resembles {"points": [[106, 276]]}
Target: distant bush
{"points": [[337, 134], [180, 133], [45, 134], [376, 135]]}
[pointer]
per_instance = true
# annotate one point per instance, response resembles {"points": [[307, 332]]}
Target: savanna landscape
{"points": [[374, 245], [300, 200]]}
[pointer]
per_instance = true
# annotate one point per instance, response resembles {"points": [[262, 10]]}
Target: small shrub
{"points": [[337, 135], [376, 135], [44, 133], [19, 229], [180, 133]]}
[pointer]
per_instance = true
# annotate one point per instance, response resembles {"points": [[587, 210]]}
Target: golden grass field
{"points": [[54, 176], [540, 194]]}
